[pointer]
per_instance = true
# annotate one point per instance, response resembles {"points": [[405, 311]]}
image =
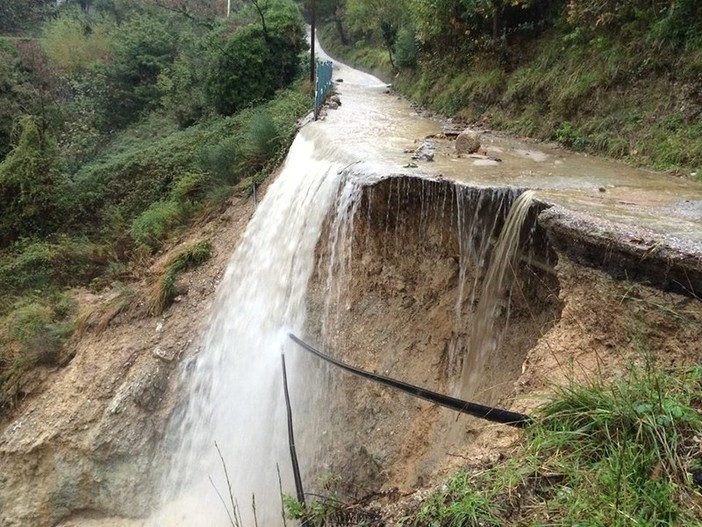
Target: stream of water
{"points": [[234, 417], [236, 396]]}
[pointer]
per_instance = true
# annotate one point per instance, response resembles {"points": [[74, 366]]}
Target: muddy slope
{"points": [[403, 307], [397, 312]]}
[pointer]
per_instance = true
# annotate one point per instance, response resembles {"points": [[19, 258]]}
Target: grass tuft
{"points": [[162, 293]]}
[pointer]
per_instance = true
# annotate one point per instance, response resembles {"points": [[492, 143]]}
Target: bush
{"points": [[33, 334], [28, 185], [33, 265], [262, 139], [73, 42], [251, 64], [152, 226], [222, 160], [406, 53], [192, 187]]}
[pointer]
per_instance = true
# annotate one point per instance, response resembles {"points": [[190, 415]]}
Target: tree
{"points": [[249, 64], [27, 87], [20, 15], [28, 183], [146, 47]]}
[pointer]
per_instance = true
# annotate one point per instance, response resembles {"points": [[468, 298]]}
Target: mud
{"points": [[401, 314]]}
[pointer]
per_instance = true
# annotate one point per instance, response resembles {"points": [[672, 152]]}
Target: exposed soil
{"points": [[397, 316]]}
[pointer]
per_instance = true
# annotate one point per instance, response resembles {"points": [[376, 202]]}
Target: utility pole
{"points": [[229, 7], [313, 63]]}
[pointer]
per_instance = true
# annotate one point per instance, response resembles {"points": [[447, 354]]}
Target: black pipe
{"points": [[299, 490], [496, 415]]}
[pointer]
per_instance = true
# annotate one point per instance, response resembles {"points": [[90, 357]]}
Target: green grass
{"points": [[604, 454], [163, 292], [32, 334]]}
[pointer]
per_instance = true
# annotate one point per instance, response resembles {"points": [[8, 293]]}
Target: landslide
{"points": [[397, 313]]}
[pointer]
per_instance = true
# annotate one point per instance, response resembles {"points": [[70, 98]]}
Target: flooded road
{"points": [[383, 130]]}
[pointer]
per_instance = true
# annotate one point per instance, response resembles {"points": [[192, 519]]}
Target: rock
{"points": [[467, 142], [339, 80], [333, 105], [336, 99], [425, 152]]}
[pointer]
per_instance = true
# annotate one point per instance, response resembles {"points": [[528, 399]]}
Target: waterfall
{"points": [[235, 384], [484, 337]]}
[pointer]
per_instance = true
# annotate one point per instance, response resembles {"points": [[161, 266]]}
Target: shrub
{"points": [[262, 139], [61, 262], [28, 180], [222, 160], [151, 226], [191, 187], [32, 334], [406, 53], [74, 43], [251, 64]]}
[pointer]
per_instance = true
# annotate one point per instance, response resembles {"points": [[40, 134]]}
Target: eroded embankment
{"points": [[404, 291]]}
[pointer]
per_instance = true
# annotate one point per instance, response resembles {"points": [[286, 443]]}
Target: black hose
{"points": [[496, 415], [299, 490]]}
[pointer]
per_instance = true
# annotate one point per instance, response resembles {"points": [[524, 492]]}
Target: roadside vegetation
{"points": [[620, 452], [619, 78], [121, 124], [624, 452]]}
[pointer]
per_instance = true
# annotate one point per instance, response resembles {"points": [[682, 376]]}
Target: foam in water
{"points": [[235, 383]]}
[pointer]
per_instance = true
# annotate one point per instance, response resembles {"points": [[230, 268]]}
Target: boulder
{"points": [[467, 142]]}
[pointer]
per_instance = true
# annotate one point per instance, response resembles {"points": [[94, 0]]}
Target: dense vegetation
{"points": [[121, 123], [618, 77], [619, 453]]}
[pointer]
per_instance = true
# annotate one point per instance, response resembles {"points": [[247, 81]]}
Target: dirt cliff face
{"points": [[397, 312], [397, 296], [406, 303]]}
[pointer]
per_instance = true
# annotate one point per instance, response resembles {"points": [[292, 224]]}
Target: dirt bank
{"points": [[398, 313], [87, 437]]}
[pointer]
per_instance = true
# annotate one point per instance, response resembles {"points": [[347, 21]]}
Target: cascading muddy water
{"points": [[484, 336], [396, 292], [236, 397]]}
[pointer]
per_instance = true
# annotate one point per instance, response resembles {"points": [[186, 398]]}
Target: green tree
{"points": [[20, 15], [29, 179], [27, 87], [144, 48], [250, 64]]}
